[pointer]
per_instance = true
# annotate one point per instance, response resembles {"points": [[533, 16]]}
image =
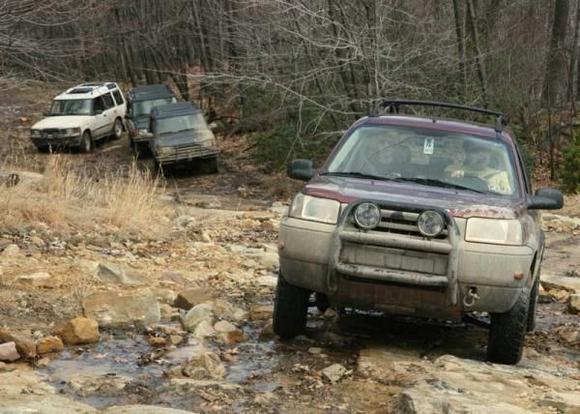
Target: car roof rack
{"points": [[393, 105]]}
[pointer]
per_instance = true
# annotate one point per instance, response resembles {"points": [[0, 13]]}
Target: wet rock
{"points": [[115, 309], [79, 331], [224, 327], [267, 332], [196, 315], [204, 329], [38, 279], [23, 341], [143, 409], [191, 297], [12, 250], [204, 366], [315, 350], [260, 312], [335, 372], [103, 386], [574, 304], [110, 273], [8, 352], [49, 344], [228, 311], [175, 339], [157, 341]]}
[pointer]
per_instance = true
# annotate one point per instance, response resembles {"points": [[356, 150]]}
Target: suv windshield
{"points": [[71, 107], [180, 123], [140, 108], [427, 157]]}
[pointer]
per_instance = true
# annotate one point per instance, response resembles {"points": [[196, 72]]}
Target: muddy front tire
{"points": [[290, 309], [533, 305], [117, 129], [508, 331]]}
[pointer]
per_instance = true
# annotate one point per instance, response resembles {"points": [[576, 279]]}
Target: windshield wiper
{"points": [[356, 175], [437, 183]]}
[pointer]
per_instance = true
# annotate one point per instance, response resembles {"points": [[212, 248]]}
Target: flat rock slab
{"points": [[113, 309], [110, 273], [568, 283]]}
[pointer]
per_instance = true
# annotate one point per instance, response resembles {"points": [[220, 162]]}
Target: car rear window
{"points": [[118, 97], [108, 99]]}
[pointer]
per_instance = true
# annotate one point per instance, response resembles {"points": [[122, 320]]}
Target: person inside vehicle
{"points": [[480, 169]]}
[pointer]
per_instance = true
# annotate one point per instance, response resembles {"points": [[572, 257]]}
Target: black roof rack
{"points": [[392, 106]]}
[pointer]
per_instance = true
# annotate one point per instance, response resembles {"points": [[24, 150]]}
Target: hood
{"points": [[142, 121], [67, 121], [458, 203], [184, 138]]}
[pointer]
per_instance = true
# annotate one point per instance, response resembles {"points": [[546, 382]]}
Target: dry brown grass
{"points": [[67, 200]]}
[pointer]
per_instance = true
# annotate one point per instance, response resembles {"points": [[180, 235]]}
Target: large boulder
{"points": [[196, 315], [79, 331], [114, 309], [8, 352], [23, 341]]}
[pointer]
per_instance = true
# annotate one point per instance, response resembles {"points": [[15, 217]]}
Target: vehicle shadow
{"points": [[419, 337]]}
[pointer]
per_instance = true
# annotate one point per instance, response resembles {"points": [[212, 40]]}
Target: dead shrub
{"points": [[64, 200]]}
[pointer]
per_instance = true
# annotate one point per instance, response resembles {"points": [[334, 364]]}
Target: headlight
{"points": [[494, 231], [35, 133], [71, 132], [430, 223], [367, 215], [315, 209]]}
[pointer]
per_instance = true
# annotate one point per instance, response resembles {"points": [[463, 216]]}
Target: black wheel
{"points": [[44, 150], [533, 305], [117, 129], [210, 165], [508, 331], [290, 309], [321, 302], [86, 143]]}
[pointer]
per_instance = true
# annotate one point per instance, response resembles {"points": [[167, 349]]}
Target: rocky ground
{"points": [[95, 322]]}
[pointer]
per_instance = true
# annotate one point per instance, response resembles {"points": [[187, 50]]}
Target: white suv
{"points": [[81, 116]]}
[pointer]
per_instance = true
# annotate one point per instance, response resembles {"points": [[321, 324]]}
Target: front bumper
{"points": [[73, 141], [399, 273]]}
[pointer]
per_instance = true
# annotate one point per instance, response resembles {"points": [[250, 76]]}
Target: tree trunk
{"points": [[460, 49], [481, 72], [554, 91]]}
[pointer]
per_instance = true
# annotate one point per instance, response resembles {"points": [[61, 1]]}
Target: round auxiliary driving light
{"points": [[367, 215], [430, 223]]}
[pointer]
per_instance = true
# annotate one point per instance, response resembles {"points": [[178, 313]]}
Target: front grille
{"points": [[51, 132], [187, 152], [402, 222], [395, 251]]}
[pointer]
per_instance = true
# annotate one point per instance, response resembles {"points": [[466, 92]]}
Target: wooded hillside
{"points": [[298, 71]]}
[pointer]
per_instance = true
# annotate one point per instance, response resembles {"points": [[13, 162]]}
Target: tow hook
{"points": [[470, 298]]}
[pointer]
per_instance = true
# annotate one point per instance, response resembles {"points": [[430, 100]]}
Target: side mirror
{"points": [[99, 112], [301, 170], [546, 199]]}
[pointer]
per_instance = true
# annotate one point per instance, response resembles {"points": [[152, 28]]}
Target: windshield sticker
{"points": [[428, 146]]}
